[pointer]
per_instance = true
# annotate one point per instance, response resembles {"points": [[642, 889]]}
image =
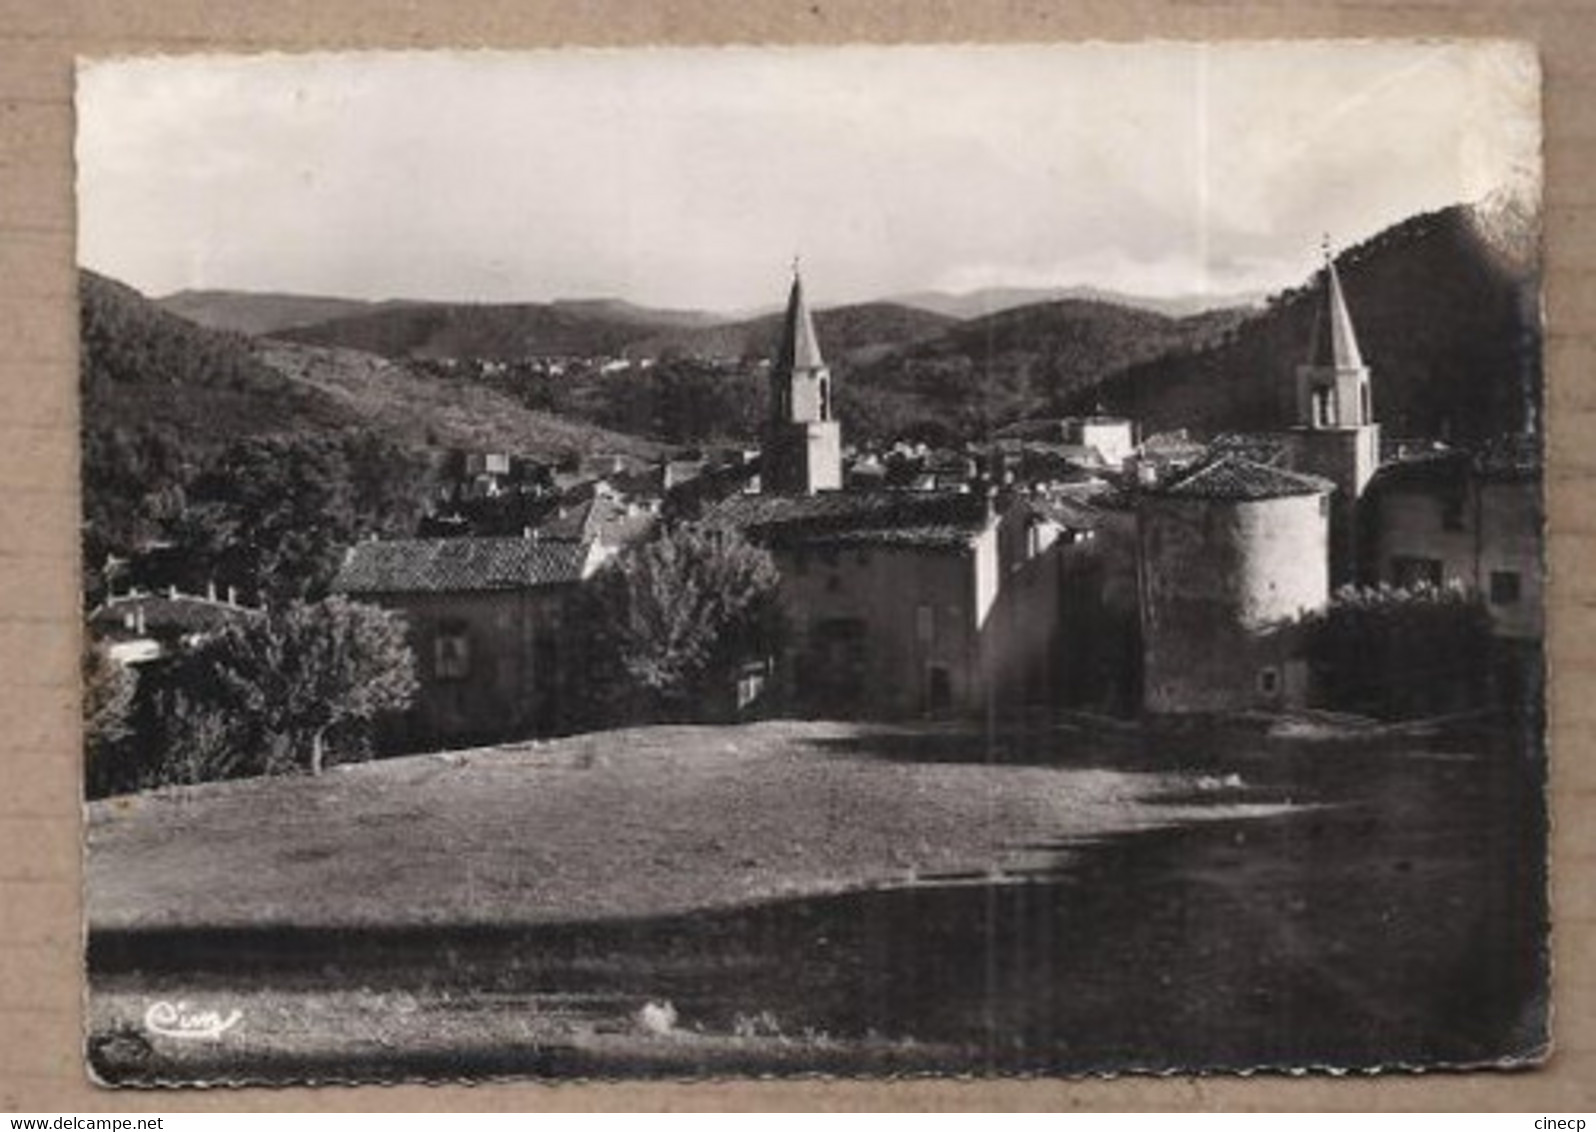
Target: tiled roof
{"points": [[1502, 459], [839, 517], [459, 565], [1235, 478], [1258, 447]]}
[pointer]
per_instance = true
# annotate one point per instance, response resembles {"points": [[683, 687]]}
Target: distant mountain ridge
{"points": [[995, 300], [599, 327], [262, 312]]}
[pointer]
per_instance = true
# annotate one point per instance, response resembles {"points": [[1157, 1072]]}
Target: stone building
{"points": [[886, 597], [1471, 519], [1229, 559], [489, 620]]}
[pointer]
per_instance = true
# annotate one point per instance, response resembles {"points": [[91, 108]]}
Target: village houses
{"points": [[1062, 563]]}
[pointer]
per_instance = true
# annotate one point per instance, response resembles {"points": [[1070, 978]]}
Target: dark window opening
{"points": [[1505, 587], [1323, 407], [1269, 681], [939, 689]]}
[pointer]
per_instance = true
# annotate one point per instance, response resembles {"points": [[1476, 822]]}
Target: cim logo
{"points": [[177, 1020]]}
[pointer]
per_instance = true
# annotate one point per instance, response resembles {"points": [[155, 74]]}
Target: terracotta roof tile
{"points": [[835, 518], [1239, 479], [459, 565]]}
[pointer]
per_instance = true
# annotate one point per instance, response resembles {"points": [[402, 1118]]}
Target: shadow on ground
{"points": [[1402, 925]]}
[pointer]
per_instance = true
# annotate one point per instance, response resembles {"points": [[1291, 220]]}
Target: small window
{"points": [[1269, 681], [1504, 587], [833, 584], [451, 652], [1452, 512], [861, 558], [925, 626]]}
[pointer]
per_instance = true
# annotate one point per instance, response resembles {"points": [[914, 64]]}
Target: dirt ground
{"points": [[792, 897]]}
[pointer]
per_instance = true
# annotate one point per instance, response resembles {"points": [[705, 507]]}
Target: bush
{"points": [[1390, 651]]}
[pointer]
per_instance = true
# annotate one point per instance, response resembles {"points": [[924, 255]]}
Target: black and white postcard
{"points": [[845, 561]]}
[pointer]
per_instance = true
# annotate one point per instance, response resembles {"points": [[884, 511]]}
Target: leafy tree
{"points": [[108, 691], [675, 617], [302, 671]]}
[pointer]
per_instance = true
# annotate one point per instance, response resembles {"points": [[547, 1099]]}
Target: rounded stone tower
{"points": [[1230, 558]]}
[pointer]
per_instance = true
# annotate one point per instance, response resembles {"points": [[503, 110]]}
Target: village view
{"points": [[1021, 679]]}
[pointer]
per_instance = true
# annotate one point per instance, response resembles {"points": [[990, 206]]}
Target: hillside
{"points": [[261, 312], [995, 300], [177, 417], [1446, 309], [983, 373], [586, 328], [439, 412], [603, 327], [855, 334]]}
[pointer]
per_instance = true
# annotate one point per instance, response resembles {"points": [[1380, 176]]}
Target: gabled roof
{"points": [[1269, 448], [800, 348], [460, 565], [1238, 479]]}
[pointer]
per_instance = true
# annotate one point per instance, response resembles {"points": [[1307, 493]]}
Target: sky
{"points": [[691, 178]]}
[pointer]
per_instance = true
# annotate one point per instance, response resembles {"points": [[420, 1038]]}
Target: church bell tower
{"points": [[803, 442], [1335, 434]]}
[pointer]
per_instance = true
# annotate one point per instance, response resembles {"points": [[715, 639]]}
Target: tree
{"points": [[307, 669], [292, 505], [675, 617], [108, 690]]}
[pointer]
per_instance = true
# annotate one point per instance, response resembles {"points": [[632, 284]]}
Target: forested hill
{"points": [[599, 328], [1446, 307], [858, 333], [1030, 360], [260, 312], [182, 425]]}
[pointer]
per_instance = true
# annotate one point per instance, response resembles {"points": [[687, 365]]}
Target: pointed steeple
{"points": [[803, 444], [800, 348], [1334, 344]]}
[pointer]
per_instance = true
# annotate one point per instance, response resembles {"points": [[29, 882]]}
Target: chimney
{"points": [[210, 590], [232, 595], [138, 619], [171, 593]]}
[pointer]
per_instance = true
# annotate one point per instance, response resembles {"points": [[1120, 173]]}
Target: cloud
{"points": [[690, 177]]}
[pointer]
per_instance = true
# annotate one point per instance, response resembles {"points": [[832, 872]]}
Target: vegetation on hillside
{"points": [[252, 463], [1018, 363], [1447, 312]]}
